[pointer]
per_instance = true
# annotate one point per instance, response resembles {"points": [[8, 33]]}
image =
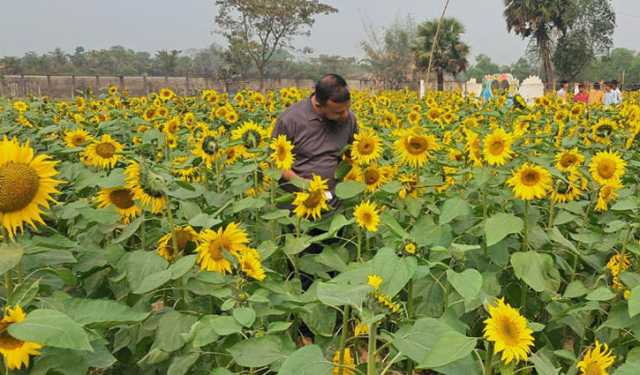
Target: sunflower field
{"points": [[150, 235]]}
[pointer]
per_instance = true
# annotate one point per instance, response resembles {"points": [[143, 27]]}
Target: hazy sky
{"points": [[150, 25]]}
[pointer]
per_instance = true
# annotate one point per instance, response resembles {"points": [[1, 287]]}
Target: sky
{"points": [[151, 25]]}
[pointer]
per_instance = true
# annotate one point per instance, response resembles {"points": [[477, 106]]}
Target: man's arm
{"points": [[281, 128]]}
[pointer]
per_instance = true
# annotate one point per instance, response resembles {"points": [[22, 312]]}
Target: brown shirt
{"points": [[317, 143]]}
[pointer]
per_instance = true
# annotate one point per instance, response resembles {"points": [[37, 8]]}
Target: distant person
{"points": [[616, 90], [596, 95], [582, 96], [564, 90], [610, 96]]}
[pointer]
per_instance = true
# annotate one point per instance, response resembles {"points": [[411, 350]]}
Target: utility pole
{"points": [[434, 43]]}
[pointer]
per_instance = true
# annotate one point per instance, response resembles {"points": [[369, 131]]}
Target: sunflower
{"points": [[367, 147], [607, 167], [414, 118], [410, 248], [232, 117], [282, 155], [596, 360], [367, 216], [497, 147], [414, 147], [375, 281], [20, 106], [76, 138], [312, 202], [607, 194], [250, 265], [409, 184], [122, 199], [602, 131], [166, 94], [569, 189], [569, 160], [15, 352], [374, 177], [250, 134], [113, 90], [530, 182], [509, 332], [207, 148], [138, 183], [185, 237], [472, 147], [104, 153], [213, 244], [345, 367], [26, 185]]}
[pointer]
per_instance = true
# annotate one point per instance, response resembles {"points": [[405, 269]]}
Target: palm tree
{"points": [[539, 19], [450, 53]]}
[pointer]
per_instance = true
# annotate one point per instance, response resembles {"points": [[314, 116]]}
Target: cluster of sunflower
{"points": [[548, 155]]}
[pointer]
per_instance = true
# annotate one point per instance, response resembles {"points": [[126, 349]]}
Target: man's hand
{"points": [[296, 180]]}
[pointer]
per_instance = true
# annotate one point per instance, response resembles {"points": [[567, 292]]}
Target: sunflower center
{"points": [[209, 145], [19, 184], [122, 198], [9, 343], [315, 197], [496, 147], [251, 139], [530, 177], [371, 176], [593, 368], [215, 250], [77, 140], [365, 147], [416, 145], [604, 130], [568, 160], [105, 150], [282, 153], [509, 332], [606, 169], [366, 217]]}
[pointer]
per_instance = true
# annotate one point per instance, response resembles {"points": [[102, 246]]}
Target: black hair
{"points": [[614, 82], [332, 87], [582, 86], [563, 82], [596, 85]]}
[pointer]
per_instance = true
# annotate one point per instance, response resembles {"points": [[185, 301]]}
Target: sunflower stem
{"points": [[371, 350], [343, 337], [8, 282], [488, 366], [359, 248], [552, 206], [143, 237], [525, 242]]}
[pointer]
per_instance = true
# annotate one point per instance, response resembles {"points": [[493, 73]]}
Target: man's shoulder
{"points": [[295, 113]]}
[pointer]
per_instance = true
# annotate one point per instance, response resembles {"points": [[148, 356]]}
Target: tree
{"points": [[482, 67], [389, 57], [451, 53], [167, 62], [540, 19], [259, 28], [523, 68], [590, 35]]}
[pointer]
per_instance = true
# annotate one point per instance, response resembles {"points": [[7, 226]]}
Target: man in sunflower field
{"points": [[319, 127]]}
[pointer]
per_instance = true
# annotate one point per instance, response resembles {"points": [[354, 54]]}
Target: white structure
{"points": [[423, 88], [532, 88], [472, 88]]}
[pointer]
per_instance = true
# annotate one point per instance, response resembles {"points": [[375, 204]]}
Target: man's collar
{"points": [[311, 113]]}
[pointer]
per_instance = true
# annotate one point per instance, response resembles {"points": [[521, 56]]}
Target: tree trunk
{"points": [[440, 80], [545, 56], [261, 76]]}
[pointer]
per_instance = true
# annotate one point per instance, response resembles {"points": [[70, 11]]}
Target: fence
{"points": [[58, 86]]}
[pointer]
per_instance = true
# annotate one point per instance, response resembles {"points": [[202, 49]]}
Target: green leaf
{"points": [[391, 222], [307, 360], [129, 230], [182, 266], [142, 264], [180, 365], [536, 270], [467, 284], [556, 236], [575, 289], [224, 325], [92, 311], [629, 203], [630, 367], [279, 326], [245, 316], [499, 226], [204, 221], [543, 365], [454, 208], [257, 351], [349, 189], [153, 281], [248, 203], [294, 245], [51, 328], [10, 255], [277, 214], [395, 271], [171, 326], [334, 294], [432, 343], [634, 302], [600, 294], [203, 332]]}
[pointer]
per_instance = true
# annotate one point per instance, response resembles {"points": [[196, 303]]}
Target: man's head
{"points": [[332, 98], [564, 84], [582, 87], [614, 84], [608, 86], [596, 86]]}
